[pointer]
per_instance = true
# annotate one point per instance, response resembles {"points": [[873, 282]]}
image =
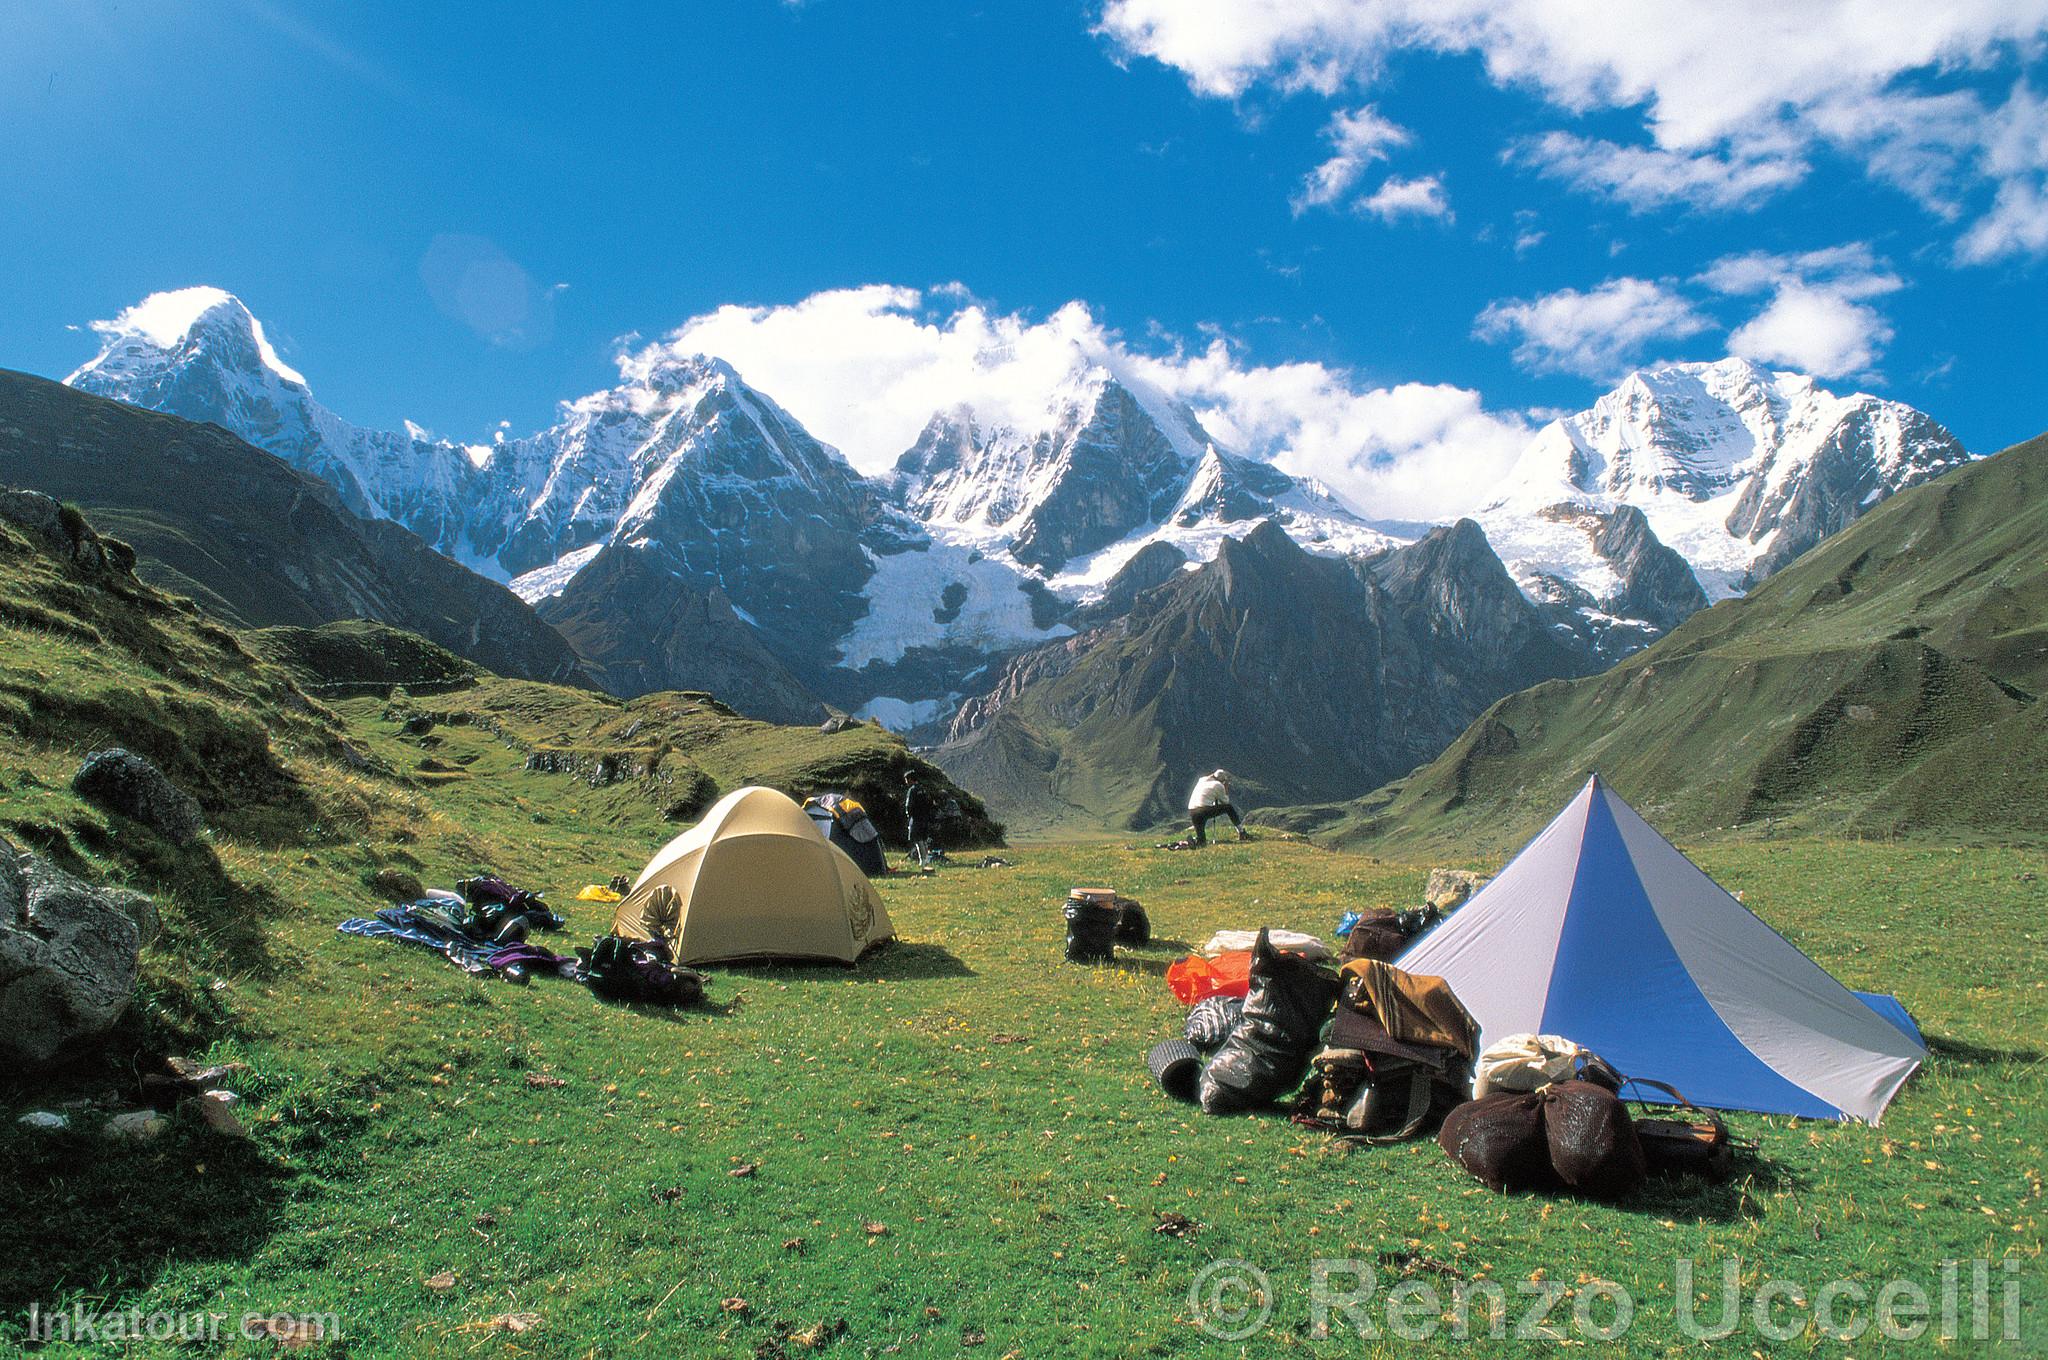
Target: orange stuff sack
{"points": [[1195, 978]]}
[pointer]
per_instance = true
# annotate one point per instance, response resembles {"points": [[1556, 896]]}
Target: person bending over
{"points": [[1210, 800]]}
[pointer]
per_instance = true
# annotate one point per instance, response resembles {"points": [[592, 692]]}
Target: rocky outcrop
{"points": [[1656, 585], [123, 782], [65, 531], [1449, 889], [1152, 565], [68, 959]]}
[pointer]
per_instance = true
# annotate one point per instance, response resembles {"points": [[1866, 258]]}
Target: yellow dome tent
{"points": [[754, 880]]}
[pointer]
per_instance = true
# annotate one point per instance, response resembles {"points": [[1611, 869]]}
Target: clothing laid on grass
{"points": [[424, 924], [482, 936]]}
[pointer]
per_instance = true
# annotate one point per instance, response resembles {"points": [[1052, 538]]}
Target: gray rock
{"points": [[48, 1120], [124, 782], [68, 959], [136, 1125], [64, 531], [1449, 888]]}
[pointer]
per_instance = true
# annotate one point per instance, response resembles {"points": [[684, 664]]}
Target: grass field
{"points": [[954, 1147]]}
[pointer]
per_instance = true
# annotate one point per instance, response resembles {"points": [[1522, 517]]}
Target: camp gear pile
{"points": [[1268, 1052], [481, 930], [1399, 1056], [1098, 920], [640, 971]]}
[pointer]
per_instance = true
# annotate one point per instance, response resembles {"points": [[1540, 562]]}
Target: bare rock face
{"points": [[124, 782], [68, 959]]}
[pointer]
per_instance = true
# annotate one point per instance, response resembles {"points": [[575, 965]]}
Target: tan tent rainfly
{"points": [[754, 880]]}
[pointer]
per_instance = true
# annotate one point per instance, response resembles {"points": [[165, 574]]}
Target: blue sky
{"points": [[1420, 224]]}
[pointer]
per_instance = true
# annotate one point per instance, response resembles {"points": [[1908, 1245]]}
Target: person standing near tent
{"points": [[920, 816], [1211, 799]]}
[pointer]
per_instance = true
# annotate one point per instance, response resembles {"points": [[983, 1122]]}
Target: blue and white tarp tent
{"points": [[1602, 932]]}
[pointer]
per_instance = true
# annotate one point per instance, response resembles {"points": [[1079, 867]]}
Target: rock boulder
{"points": [[120, 780], [68, 959], [1448, 888]]}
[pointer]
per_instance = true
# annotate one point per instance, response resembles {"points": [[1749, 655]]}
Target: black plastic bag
{"points": [[1091, 931], [1268, 1053]]}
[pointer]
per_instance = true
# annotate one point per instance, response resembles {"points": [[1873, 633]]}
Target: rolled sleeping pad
{"points": [[1177, 1066]]}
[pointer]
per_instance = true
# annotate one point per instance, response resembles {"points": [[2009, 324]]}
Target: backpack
{"points": [[639, 970], [1382, 933], [1399, 1056]]}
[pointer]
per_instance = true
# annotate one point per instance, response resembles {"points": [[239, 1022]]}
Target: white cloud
{"points": [[2016, 154], [1399, 198], [1597, 334], [1818, 319], [1730, 94], [1410, 451], [1813, 330], [1645, 177], [1357, 139], [865, 368], [1851, 270]]}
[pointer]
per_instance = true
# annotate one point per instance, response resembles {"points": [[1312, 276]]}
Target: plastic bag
{"points": [[1195, 978]]}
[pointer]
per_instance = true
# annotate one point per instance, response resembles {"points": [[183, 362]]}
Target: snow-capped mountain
{"points": [[1111, 466], [198, 353], [1736, 467], [714, 484], [980, 541], [684, 530]]}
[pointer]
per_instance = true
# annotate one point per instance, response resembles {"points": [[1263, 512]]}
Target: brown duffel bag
{"points": [[1499, 1138], [1593, 1143]]}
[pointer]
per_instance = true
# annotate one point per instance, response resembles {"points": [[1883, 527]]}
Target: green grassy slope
{"points": [[1885, 684]]}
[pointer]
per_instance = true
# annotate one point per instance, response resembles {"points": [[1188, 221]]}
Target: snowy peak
{"points": [[1737, 467], [169, 329], [1112, 464], [1098, 464]]}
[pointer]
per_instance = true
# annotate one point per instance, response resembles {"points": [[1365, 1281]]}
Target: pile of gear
{"points": [[1374, 1054], [756, 880], [483, 928]]}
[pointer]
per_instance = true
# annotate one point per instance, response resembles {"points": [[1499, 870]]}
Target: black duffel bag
{"points": [[1268, 1053]]}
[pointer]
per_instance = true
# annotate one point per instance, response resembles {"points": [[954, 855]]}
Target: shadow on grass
{"points": [[94, 1219], [1139, 963], [1976, 1055], [226, 913], [896, 961]]}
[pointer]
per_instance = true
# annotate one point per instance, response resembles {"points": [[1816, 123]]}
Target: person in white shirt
{"points": [[1211, 799]]}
